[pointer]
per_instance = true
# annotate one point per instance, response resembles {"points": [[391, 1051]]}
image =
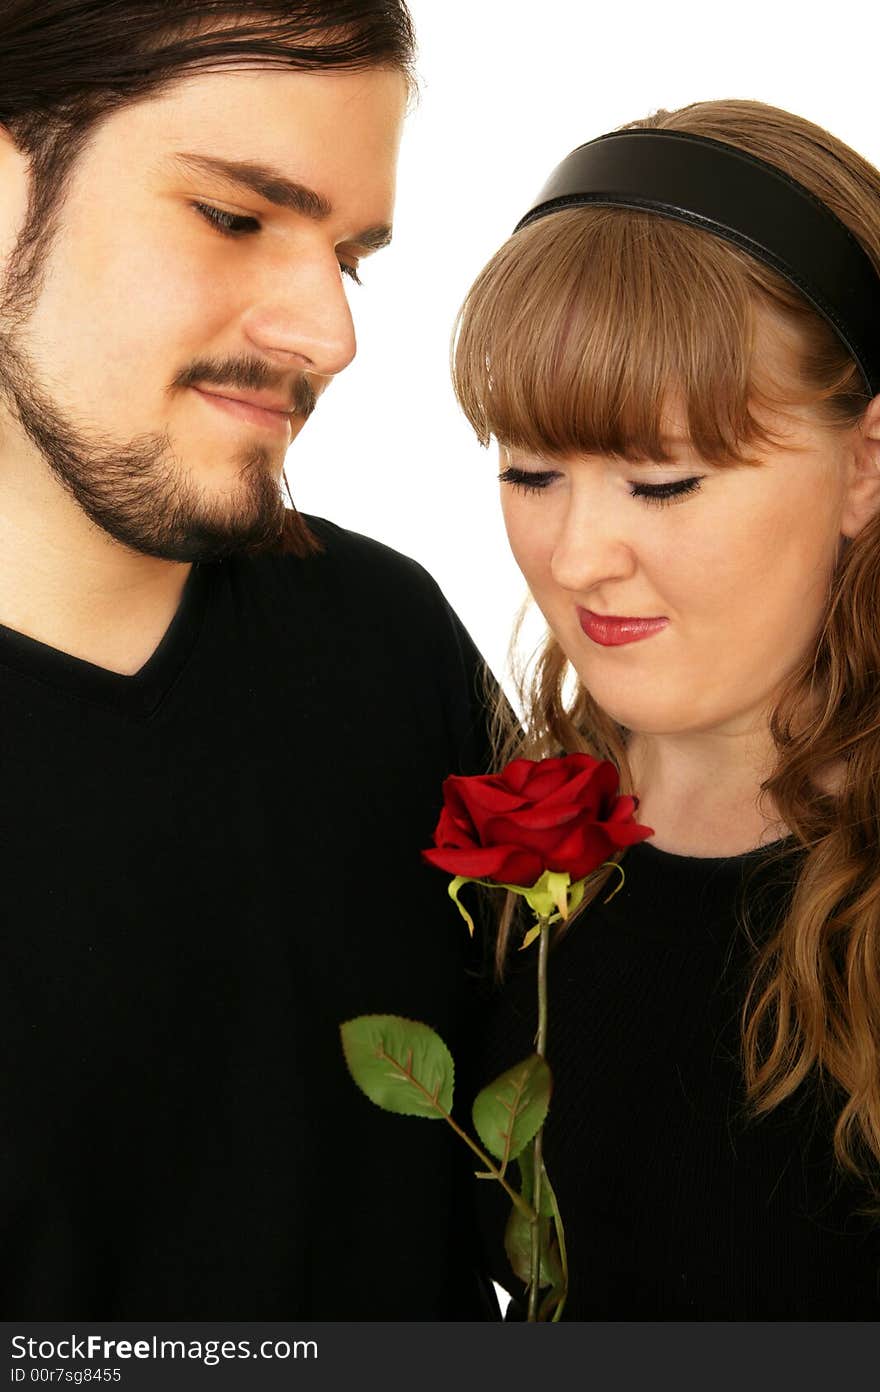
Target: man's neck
{"points": [[69, 585]]}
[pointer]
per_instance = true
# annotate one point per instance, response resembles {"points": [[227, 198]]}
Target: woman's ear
{"points": [[862, 498]]}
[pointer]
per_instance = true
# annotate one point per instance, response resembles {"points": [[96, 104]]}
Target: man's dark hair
{"points": [[69, 64]]}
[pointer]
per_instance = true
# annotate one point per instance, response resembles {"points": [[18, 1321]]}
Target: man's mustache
{"points": [[253, 375]]}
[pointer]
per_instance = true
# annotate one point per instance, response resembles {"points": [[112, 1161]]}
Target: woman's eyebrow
{"points": [[277, 188]]}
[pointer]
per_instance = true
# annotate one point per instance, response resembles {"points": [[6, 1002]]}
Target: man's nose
{"points": [[590, 546], [301, 316]]}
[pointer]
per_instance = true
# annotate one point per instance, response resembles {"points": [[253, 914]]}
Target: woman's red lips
{"points": [[612, 631]]}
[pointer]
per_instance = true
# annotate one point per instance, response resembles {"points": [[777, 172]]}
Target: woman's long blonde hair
{"points": [[570, 341]]}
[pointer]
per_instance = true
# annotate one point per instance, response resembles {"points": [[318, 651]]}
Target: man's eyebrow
{"points": [[275, 187]]}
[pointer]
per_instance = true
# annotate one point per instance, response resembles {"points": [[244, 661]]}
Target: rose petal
{"points": [[503, 864], [519, 825], [628, 833], [540, 841], [452, 830], [564, 813], [591, 787], [518, 772], [545, 784], [480, 795]]}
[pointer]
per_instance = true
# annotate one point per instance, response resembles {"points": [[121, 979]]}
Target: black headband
{"points": [[754, 205]]}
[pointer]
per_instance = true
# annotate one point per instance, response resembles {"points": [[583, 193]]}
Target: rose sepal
{"points": [[552, 897]]}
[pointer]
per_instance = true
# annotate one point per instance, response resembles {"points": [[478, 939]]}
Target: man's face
{"points": [[147, 311]]}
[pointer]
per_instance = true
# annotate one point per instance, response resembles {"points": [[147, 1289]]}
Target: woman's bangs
{"points": [[606, 331]]}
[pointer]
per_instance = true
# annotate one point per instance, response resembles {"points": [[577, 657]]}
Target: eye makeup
{"points": [[534, 481]]}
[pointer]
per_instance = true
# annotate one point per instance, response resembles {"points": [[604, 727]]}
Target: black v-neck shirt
{"points": [[207, 867], [676, 1205], [136, 696]]}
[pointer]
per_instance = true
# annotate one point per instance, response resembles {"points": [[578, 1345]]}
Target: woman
{"points": [[678, 353]]}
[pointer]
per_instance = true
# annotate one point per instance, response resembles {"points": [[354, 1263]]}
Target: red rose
{"points": [[550, 814]]}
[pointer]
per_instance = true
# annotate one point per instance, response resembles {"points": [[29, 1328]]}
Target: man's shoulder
{"points": [[349, 569], [376, 625], [347, 550]]}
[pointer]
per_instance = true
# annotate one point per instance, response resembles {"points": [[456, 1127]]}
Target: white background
{"points": [[508, 87]]}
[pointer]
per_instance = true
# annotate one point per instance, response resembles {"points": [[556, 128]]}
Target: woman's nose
{"points": [[589, 548]]}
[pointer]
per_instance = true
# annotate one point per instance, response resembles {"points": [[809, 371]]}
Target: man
{"points": [[222, 733]]}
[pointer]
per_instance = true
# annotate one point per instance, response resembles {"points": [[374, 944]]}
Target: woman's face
{"points": [[735, 560]]}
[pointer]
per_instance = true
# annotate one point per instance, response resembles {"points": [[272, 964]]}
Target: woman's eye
{"points": [[534, 481], [527, 480], [229, 224], [661, 493]]}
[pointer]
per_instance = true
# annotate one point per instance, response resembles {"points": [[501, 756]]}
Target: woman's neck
{"points": [[702, 792]]}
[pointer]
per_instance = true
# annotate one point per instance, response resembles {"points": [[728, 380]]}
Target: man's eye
{"points": [[235, 225], [229, 224]]}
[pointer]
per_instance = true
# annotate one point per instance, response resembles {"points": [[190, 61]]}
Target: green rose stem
{"points": [[405, 1067], [517, 1199], [541, 1050]]}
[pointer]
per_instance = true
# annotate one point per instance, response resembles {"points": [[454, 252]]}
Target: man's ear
{"points": [[862, 500]]}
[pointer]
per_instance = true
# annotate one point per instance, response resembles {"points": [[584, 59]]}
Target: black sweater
{"points": [[676, 1206], [195, 866]]}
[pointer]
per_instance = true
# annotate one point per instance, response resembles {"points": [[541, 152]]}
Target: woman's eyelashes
{"points": [[527, 480], [534, 481], [235, 225], [665, 492]]}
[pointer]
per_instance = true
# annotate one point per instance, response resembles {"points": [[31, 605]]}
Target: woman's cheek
{"points": [[528, 544]]}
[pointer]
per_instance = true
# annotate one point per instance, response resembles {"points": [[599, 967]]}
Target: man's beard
{"points": [[137, 490]]}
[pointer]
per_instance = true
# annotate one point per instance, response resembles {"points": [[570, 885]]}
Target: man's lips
{"points": [[612, 631], [248, 409]]}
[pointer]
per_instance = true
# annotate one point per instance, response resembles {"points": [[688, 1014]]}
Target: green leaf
{"points": [[509, 1111], [401, 1065], [552, 1304], [518, 1246], [526, 1162]]}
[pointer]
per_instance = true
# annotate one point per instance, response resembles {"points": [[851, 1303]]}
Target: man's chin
{"points": [[174, 535], [208, 544], [185, 523]]}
